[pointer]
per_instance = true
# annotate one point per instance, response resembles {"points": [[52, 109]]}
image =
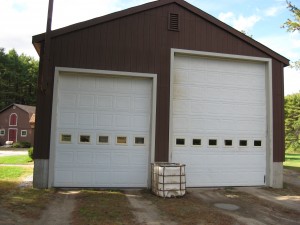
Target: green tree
{"points": [[292, 122], [18, 78], [293, 25]]}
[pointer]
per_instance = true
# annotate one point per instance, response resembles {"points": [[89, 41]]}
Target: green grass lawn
{"points": [[14, 173], [15, 159], [292, 161]]}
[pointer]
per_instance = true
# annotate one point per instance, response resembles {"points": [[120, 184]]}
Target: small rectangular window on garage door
{"points": [[228, 143], [139, 140], [121, 140], [180, 141], [257, 143], [243, 143], [84, 139], [196, 142], [65, 138], [212, 142], [103, 140]]}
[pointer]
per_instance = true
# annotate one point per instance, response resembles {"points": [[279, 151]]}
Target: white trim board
{"points": [[268, 94], [59, 70]]}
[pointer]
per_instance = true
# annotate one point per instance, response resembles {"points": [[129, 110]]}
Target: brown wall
{"points": [[141, 43], [22, 124]]}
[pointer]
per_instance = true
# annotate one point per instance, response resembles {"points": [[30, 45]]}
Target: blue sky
{"points": [[21, 19]]}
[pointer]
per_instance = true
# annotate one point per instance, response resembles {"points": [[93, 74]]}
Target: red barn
{"points": [[163, 81], [17, 124]]}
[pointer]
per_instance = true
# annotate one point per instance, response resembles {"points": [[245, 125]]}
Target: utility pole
{"points": [[40, 177], [47, 45]]}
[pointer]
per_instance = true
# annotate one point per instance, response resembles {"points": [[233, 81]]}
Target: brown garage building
{"points": [[163, 81]]}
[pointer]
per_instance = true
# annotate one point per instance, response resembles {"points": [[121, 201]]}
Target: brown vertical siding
{"points": [[278, 111], [141, 42]]}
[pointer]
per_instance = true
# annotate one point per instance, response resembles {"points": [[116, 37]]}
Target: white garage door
{"points": [[219, 121], [102, 131]]}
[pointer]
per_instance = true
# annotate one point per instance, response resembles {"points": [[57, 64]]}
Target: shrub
{"points": [[16, 145], [30, 152], [25, 144]]}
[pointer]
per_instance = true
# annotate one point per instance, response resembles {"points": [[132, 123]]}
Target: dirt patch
{"points": [[59, 211], [7, 217], [102, 207], [145, 211], [253, 210], [291, 200], [189, 210], [291, 177]]}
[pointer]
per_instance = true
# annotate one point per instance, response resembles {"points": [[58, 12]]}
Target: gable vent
{"points": [[173, 22]]}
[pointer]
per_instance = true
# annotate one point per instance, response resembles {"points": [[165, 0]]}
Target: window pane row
{"points": [[101, 139], [214, 142]]}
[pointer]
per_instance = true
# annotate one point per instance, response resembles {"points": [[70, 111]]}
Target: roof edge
{"points": [[37, 39], [17, 105], [103, 19]]}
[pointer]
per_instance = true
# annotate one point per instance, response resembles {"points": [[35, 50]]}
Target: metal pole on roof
{"points": [[46, 55]]}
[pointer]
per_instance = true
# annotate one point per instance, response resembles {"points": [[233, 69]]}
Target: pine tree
{"points": [[292, 122], [18, 78]]}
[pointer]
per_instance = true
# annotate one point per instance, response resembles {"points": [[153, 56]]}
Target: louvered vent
{"points": [[173, 22]]}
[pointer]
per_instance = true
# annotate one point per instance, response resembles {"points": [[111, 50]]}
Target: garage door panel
{"points": [[67, 120], [122, 121], [69, 83], [63, 176], [104, 120], [83, 177], [138, 158], [102, 158], [85, 120], [142, 104], [104, 102], [105, 84], [123, 103], [102, 106], [103, 179], [120, 159], [87, 82], [220, 160], [68, 100], [86, 101], [139, 86], [140, 122], [123, 85], [219, 99], [225, 179], [84, 157], [181, 76], [65, 157]]}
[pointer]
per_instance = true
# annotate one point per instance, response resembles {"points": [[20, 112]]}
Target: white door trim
{"points": [[269, 106], [58, 70]]}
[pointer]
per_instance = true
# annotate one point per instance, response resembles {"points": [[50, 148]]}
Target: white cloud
{"points": [[241, 22], [273, 11], [277, 43], [226, 17], [68, 12], [290, 51], [21, 19], [291, 81]]}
